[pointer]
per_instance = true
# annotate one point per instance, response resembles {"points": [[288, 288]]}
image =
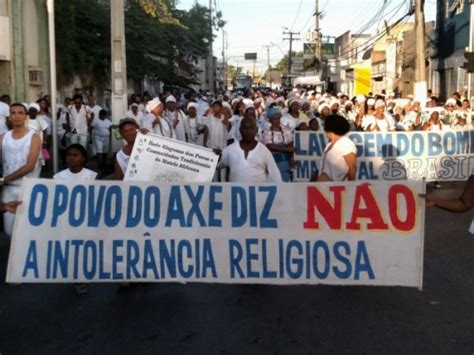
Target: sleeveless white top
{"points": [[122, 160], [15, 154]]}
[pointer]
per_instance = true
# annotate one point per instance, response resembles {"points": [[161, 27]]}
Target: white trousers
{"points": [[80, 139], [10, 193]]}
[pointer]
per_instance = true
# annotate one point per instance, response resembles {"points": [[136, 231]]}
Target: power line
{"points": [[370, 23], [306, 23], [378, 36], [297, 14]]}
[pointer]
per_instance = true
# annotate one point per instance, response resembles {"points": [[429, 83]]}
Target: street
{"points": [[247, 319]]}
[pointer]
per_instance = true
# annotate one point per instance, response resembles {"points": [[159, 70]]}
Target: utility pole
{"points": [[291, 39], [470, 49], [317, 47], [420, 69], [118, 61], [52, 59], [224, 66], [269, 70], [210, 56]]}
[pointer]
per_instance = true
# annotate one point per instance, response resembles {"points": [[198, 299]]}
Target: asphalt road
{"points": [[224, 319]]}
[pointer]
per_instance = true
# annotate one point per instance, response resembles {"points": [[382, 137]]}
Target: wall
{"points": [[29, 51], [5, 49], [451, 39]]}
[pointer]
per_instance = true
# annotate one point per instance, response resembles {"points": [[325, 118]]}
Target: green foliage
{"points": [[158, 38], [283, 63], [82, 29], [233, 71]]}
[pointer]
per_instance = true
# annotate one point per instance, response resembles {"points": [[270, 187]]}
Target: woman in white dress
{"points": [[339, 158], [433, 124], [380, 121], [196, 131], [280, 143]]}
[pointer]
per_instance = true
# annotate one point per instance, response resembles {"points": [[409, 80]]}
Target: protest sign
{"points": [[334, 233], [395, 156], [157, 158]]}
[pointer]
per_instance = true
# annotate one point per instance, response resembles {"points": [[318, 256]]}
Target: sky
{"points": [[253, 24]]}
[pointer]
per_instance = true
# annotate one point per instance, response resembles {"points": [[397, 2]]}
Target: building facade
{"points": [[387, 57], [451, 39], [24, 53], [350, 53]]}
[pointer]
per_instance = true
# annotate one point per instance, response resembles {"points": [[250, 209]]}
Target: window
{"points": [[35, 76], [454, 7]]}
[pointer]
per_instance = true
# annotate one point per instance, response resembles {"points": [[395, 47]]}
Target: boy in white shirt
{"points": [[80, 119]]}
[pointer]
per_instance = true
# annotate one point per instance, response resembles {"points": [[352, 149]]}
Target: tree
{"points": [[233, 71], [160, 40], [282, 65], [81, 38]]}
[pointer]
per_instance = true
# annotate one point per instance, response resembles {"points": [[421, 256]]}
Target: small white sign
{"points": [[157, 158]]}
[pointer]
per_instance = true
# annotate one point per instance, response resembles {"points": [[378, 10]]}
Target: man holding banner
{"points": [[128, 130], [249, 160]]}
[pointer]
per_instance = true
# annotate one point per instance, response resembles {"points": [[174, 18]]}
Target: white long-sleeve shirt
{"points": [[258, 167]]}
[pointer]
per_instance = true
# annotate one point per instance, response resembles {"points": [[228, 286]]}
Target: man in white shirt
{"points": [[94, 109], [135, 113], [202, 106], [175, 117], [80, 119], [248, 160], [64, 117], [218, 127], [40, 126], [36, 122]]}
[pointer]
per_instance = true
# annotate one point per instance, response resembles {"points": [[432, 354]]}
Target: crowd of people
{"points": [[252, 132], [215, 122]]}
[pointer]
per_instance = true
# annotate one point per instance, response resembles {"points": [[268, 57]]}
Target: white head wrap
{"points": [[293, 100], [360, 98], [379, 103], [451, 101], [35, 106], [191, 104], [322, 106], [170, 98], [152, 104], [334, 102]]}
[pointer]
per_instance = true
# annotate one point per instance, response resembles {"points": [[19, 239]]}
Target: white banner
{"points": [[395, 156], [331, 233], [156, 158]]}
